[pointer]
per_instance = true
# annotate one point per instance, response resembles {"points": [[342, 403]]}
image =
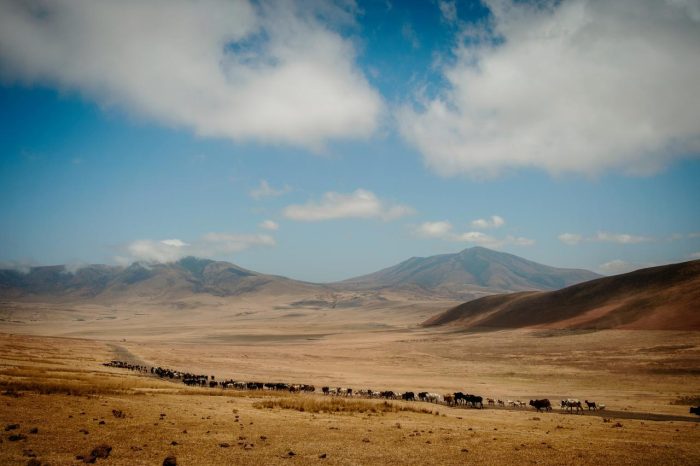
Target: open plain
{"points": [[52, 375]]}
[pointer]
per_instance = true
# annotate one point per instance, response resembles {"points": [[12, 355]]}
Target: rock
{"points": [[174, 443], [118, 414], [101, 422], [16, 437], [11, 427], [291, 453], [262, 437], [249, 446], [89, 459], [84, 431], [224, 445], [170, 461], [101, 451], [323, 455], [366, 440], [34, 430]]}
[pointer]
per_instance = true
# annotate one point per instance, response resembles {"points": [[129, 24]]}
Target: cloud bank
{"points": [[570, 86], [444, 230], [211, 245], [572, 239], [358, 204], [270, 71]]}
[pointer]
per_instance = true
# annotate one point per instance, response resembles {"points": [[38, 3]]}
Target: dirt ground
{"points": [[51, 372]]}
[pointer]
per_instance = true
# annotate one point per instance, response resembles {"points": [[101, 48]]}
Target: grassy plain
{"points": [[51, 372]]}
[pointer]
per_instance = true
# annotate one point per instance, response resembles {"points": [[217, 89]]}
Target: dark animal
{"points": [[695, 410], [409, 396], [540, 405], [591, 405]]}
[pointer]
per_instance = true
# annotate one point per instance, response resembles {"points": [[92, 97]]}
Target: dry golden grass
{"points": [[60, 387], [316, 404]]}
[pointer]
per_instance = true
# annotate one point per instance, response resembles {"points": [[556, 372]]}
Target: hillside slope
{"points": [[657, 298], [472, 270]]}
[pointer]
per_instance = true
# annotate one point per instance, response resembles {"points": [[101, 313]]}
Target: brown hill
{"points": [[657, 298]]}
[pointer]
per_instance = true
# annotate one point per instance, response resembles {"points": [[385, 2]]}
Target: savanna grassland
{"points": [[59, 387]]}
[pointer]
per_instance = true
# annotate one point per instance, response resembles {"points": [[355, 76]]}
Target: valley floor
{"points": [[59, 386]]}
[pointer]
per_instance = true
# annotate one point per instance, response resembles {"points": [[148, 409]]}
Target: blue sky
{"points": [[329, 139]]}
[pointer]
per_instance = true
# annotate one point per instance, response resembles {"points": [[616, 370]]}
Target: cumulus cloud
{"points": [[265, 190], [358, 204], [270, 225], [272, 71], [444, 230], [494, 222], [210, 245], [571, 86], [573, 239]]}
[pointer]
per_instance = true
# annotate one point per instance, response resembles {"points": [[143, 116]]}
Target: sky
{"points": [[323, 140]]}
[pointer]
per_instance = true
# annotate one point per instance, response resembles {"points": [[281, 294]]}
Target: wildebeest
{"points": [[540, 405], [695, 410], [388, 394], [408, 396]]}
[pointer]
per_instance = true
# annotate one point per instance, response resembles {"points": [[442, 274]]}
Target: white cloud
{"points": [[617, 266], [271, 71], [571, 86], [358, 204], [265, 190], [448, 10], [573, 239], [434, 229], [695, 255], [621, 238], [410, 35], [269, 225], [494, 222], [211, 245], [444, 230]]}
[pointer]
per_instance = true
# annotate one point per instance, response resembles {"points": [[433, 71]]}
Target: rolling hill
{"points": [[173, 280], [470, 272], [657, 298]]}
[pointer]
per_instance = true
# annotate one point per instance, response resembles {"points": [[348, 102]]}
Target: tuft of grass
{"points": [[311, 404]]}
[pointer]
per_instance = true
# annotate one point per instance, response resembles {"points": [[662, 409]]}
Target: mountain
{"points": [[471, 272], [182, 278], [658, 298]]}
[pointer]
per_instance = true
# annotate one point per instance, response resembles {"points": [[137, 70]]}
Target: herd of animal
{"points": [[450, 399]]}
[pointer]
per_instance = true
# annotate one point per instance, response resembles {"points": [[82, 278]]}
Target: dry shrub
{"points": [[687, 400], [336, 405]]}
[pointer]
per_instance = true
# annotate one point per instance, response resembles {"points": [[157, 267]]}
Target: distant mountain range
{"points": [[471, 273], [173, 280], [658, 298]]}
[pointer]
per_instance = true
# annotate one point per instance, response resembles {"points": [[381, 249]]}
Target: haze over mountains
{"points": [[657, 298], [468, 274]]}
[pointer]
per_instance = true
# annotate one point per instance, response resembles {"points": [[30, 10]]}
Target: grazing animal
{"points": [[501, 403], [491, 401], [540, 405], [433, 398], [571, 405], [591, 405], [409, 396], [423, 396], [695, 410], [449, 399]]}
